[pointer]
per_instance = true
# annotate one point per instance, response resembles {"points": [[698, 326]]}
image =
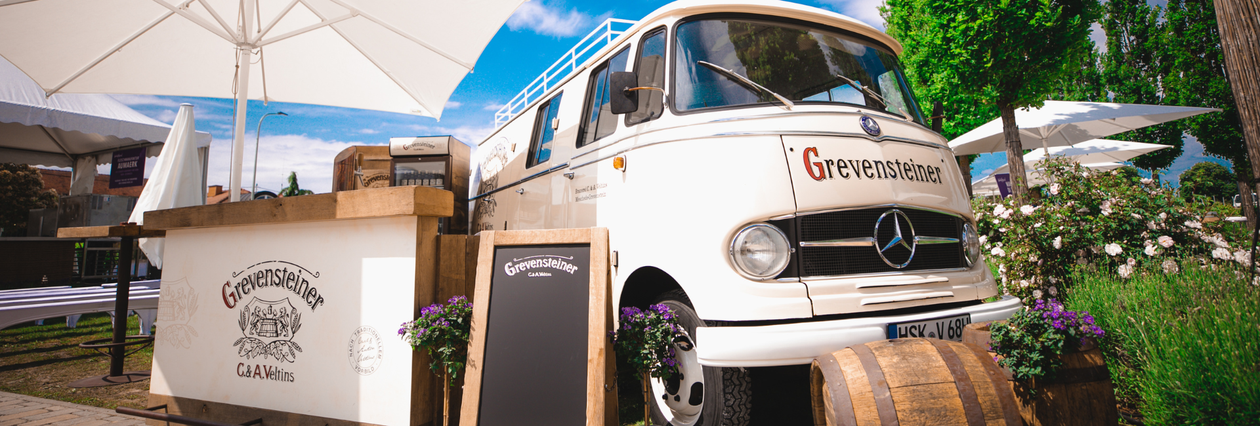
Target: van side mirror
{"points": [[621, 100]]}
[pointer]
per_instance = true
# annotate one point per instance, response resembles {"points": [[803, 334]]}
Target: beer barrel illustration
{"points": [[910, 381]]}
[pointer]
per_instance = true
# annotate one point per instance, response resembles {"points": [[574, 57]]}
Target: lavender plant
{"points": [[1029, 344], [646, 340], [443, 331]]}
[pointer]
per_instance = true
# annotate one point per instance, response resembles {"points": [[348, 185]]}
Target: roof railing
{"points": [[598, 38]]}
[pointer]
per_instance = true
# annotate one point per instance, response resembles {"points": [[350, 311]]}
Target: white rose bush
{"points": [[1100, 221]]}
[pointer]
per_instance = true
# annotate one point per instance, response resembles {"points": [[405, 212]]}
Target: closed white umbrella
{"points": [[1060, 123], [174, 182], [403, 56]]}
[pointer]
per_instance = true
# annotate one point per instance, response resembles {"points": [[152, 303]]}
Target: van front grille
{"points": [[855, 225]]}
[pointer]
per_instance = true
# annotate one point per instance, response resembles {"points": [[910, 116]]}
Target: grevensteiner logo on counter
{"points": [[270, 321], [541, 265], [828, 168]]}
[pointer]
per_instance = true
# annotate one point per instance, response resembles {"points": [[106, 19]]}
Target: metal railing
{"points": [[598, 38]]}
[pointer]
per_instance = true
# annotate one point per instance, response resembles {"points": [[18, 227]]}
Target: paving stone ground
{"points": [[22, 410]]}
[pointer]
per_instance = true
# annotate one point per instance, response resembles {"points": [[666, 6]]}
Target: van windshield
{"points": [[803, 64]]}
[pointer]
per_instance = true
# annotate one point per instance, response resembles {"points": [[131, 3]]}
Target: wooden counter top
{"points": [[121, 230], [357, 204]]}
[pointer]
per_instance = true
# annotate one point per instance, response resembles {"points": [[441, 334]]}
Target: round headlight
{"points": [[971, 244], [760, 251]]}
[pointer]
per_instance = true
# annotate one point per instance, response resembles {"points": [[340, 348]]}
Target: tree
{"points": [[1207, 179], [1133, 69], [21, 189], [1006, 55], [1198, 78], [293, 190]]}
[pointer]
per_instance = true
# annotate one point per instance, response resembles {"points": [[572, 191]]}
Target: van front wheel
{"points": [[702, 396]]}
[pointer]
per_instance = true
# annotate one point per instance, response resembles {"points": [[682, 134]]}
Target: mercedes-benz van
{"points": [[764, 169]]}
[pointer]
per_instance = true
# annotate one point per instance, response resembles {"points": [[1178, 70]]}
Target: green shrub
{"points": [[1183, 347], [1100, 219]]}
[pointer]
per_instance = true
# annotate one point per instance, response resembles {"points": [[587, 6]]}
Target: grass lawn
{"points": [[1183, 348], [42, 360]]}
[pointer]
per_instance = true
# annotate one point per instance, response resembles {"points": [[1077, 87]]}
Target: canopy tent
{"points": [[71, 130], [387, 55], [1060, 123], [987, 186]]}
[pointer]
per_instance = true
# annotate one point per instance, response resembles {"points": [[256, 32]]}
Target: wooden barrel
{"points": [[911, 381], [1080, 394]]}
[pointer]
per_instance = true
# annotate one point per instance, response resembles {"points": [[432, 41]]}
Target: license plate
{"points": [[949, 328]]}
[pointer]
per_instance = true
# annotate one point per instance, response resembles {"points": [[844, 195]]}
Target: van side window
{"points": [[544, 132], [651, 71], [597, 117]]}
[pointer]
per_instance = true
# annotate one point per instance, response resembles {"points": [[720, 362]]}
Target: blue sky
{"points": [[533, 38]]}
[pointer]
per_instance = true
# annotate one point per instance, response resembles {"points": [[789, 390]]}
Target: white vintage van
{"points": [[764, 169]]}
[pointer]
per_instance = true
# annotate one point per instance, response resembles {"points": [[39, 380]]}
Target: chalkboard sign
{"points": [[540, 353]]}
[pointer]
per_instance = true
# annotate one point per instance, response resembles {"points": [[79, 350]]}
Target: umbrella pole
{"points": [[238, 131]]}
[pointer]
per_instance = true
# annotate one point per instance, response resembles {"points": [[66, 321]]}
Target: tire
{"points": [[726, 395]]}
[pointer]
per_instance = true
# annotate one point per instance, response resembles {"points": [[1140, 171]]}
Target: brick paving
{"points": [[22, 410]]}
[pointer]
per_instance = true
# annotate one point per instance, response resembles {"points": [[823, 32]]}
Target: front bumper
{"points": [[800, 343]]}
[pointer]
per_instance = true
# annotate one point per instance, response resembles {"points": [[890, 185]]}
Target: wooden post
{"points": [[1240, 41], [647, 409]]}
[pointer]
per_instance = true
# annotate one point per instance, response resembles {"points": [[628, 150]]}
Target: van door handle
{"points": [[521, 191]]}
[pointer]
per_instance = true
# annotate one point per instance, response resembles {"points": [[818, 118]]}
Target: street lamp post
{"points": [[257, 136]]}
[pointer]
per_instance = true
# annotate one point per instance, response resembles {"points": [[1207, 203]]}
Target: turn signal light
{"points": [[619, 162]]}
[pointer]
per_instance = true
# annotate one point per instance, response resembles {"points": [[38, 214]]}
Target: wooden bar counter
{"points": [[288, 309]]}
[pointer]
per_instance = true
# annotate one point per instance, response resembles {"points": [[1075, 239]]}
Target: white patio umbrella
{"points": [[174, 182], [61, 130], [403, 56], [1060, 123], [1096, 151]]}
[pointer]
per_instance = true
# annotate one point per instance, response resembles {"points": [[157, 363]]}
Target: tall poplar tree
{"points": [[1198, 78], [1009, 55], [1133, 69]]}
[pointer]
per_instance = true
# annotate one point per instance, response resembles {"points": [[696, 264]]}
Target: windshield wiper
{"points": [[743, 81], [872, 95], [864, 89]]}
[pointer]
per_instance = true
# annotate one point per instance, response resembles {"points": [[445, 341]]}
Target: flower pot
{"points": [[1080, 393]]}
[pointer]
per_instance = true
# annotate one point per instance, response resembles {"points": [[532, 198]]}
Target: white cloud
{"points": [[369, 131], [493, 106], [467, 134], [311, 158], [134, 100], [542, 19], [168, 115], [863, 10], [453, 104]]}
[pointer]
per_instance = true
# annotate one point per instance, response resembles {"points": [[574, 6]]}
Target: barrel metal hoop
{"points": [[962, 381], [1097, 373], [838, 386], [879, 386], [1010, 411]]}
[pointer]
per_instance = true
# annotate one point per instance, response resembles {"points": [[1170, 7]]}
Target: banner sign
{"points": [[296, 317], [1003, 183], [127, 168]]}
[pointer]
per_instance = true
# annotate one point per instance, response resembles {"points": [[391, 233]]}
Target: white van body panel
{"points": [[692, 180]]}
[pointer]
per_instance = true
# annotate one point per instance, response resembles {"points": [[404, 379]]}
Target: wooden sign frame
{"points": [[601, 390]]}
